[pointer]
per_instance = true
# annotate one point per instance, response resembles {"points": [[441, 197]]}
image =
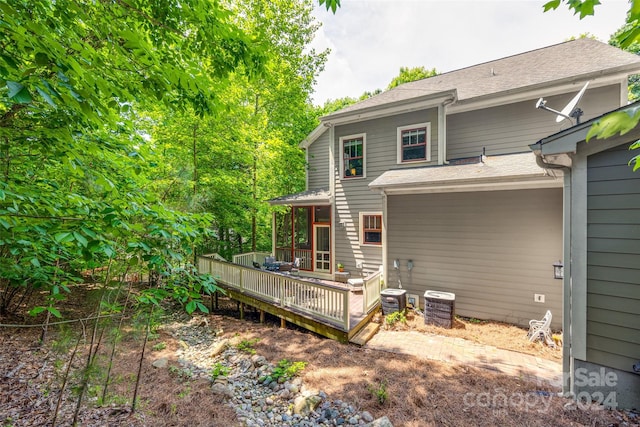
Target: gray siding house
{"points": [[602, 279], [434, 182]]}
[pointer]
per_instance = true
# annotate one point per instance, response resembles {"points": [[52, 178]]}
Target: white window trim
{"points": [[427, 126], [364, 156], [361, 216]]}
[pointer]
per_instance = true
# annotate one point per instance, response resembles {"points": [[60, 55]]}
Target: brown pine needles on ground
{"points": [[417, 392]]}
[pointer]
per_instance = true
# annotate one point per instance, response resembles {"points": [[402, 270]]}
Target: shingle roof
{"points": [[511, 167], [317, 196], [568, 60]]}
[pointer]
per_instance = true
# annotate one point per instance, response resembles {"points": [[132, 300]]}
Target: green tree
{"points": [[634, 80], [407, 75], [627, 37], [74, 74], [247, 151]]}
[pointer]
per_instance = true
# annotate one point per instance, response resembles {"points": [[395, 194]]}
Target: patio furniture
{"points": [[257, 265], [284, 266], [341, 276], [270, 263], [541, 330], [295, 268]]}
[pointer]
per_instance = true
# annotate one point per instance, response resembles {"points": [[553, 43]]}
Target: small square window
{"points": [[414, 143]]}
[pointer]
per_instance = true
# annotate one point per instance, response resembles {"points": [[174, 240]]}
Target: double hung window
{"points": [[353, 156], [371, 228], [414, 143]]}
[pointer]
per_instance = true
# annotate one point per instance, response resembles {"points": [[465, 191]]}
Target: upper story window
{"points": [[414, 143], [371, 228], [352, 162]]}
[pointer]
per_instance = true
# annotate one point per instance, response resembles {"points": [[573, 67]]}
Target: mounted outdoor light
{"points": [[558, 270], [410, 265], [396, 264]]}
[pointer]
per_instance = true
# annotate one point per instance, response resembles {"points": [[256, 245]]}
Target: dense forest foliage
{"points": [[135, 135]]}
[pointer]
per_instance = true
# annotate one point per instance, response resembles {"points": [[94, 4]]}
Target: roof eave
{"points": [[542, 89], [538, 180], [566, 141], [390, 108], [315, 134]]}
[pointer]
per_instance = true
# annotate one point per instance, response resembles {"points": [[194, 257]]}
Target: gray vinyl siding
{"points": [[318, 163], [493, 249], [613, 260], [511, 128], [353, 196]]}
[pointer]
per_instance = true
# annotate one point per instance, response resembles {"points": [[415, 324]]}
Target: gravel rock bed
{"points": [[259, 400]]}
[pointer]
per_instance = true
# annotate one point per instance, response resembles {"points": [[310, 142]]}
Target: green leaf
{"points": [[203, 308], [35, 262], [46, 97], [89, 232], [14, 88], [41, 58], [80, 238], [18, 93], [63, 237], [54, 311], [36, 310], [190, 307], [553, 4]]}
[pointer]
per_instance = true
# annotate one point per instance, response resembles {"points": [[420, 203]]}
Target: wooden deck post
{"points": [[241, 306], [261, 316], [283, 323], [216, 295]]}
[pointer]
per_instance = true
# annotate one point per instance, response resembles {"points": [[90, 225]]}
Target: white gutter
{"points": [[390, 108]]}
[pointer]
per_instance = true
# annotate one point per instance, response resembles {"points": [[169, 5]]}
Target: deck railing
{"points": [[371, 288], [320, 301], [249, 258], [305, 255]]}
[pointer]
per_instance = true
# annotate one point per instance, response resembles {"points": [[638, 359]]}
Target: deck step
{"points": [[365, 334]]}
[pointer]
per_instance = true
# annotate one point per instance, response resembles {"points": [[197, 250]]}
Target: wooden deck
{"points": [[328, 308]]}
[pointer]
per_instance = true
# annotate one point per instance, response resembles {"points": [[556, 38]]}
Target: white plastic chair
{"points": [[295, 268], [541, 330]]}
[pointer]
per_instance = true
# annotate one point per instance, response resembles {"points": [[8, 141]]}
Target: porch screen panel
{"points": [[323, 261], [302, 236], [283, 235], [322, 214]]}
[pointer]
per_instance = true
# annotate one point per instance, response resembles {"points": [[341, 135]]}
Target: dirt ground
{"points": [[419, 392], [497, 334]]}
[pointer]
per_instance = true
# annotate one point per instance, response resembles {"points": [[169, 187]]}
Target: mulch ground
{"points": [[416, 392]]}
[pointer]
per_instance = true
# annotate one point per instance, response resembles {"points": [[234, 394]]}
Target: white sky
{"points": [[371, 39]]}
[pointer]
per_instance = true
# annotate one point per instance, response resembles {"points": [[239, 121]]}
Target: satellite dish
{"points": [[569, 111]]}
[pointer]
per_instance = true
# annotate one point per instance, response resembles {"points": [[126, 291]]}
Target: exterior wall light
{"points": [[410, 265], [558, 270]]}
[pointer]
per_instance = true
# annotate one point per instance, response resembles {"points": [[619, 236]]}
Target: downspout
{"points": [[385, 245], [332, 192], [567, 356], [442, 131]]}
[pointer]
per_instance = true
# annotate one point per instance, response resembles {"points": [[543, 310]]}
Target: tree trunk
{"points": [[195, 160], [254, 179]]}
